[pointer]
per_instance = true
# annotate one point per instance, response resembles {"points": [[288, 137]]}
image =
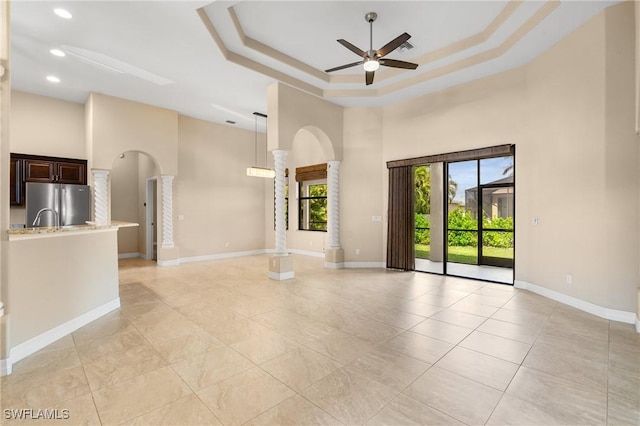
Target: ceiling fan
{"points": [[372, 59]]}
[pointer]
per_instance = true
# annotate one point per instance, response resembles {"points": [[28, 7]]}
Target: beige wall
{"points": [[125, 200], [47, 126], [221, 205], [362, 178], [567, 112], [621, 155], [119, 125], [290, 110], [75, 274]]}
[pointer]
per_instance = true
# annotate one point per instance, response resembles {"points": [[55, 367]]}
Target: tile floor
{"points": [[218, 343]]}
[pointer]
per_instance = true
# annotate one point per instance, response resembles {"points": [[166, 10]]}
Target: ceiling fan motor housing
{"points": [[370, 17]]}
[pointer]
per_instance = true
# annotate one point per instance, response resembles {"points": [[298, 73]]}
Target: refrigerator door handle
{"points": [[61, 207]]}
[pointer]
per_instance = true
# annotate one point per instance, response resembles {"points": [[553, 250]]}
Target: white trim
{"points": [[151, 196], [601, 311], [281, 276], [307, 253], [638, 325], [221, 256], [364, 265], [5, 367], [172, 262], [330, 265], [33, 345], [130, 255]]}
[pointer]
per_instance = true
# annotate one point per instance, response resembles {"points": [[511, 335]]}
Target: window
{"points": [[312, 213], [312, 197]]}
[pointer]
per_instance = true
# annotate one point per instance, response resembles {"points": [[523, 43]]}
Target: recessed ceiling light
{"points": [[57, 52], [63, 13], [53, 79]]}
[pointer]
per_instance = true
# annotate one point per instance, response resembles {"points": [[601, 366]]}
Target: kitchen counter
{"points": [[60, 280], [58, 230]]}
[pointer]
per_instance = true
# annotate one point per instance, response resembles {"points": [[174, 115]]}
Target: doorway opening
{"points": [[151, 214]]}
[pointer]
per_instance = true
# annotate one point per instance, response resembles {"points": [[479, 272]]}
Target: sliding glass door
{"points": [[480, 225]]}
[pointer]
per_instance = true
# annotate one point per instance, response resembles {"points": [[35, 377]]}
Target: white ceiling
{"points": [[161, 53]]}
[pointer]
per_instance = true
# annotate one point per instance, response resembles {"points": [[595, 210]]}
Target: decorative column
{"points": [[280, 264], [333, 255], [101, 196], [167, 211]]}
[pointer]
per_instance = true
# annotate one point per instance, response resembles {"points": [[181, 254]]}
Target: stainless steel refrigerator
{"points": [[53, 204]]}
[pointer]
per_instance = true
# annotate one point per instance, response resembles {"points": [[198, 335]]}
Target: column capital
{"points": [[100, 172]]}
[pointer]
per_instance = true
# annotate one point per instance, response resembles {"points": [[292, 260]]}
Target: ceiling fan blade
{"points": [[398, 64], [369, 77], [353, 48], [392, 45], [341, 67]]}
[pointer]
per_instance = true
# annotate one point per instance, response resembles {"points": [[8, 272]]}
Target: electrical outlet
{"points": [[180, 217], [226, 244], [357, 252], [569, 279], [535, 221]]}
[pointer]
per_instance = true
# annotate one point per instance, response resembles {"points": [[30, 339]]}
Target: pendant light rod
{"points": [[260, 171]]}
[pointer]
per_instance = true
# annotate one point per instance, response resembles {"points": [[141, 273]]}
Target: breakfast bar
{"points": [[68, 277]]}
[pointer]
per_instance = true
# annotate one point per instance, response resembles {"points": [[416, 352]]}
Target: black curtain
{"points": [[400, 234]]}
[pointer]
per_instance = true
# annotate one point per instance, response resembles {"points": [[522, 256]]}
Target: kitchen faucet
{"points": [[55, 213]]}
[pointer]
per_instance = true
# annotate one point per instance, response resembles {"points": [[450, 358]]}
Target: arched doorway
{"points": [[134, 193]]}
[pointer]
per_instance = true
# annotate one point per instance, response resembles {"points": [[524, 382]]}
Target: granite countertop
{"points": [[89, 226]]}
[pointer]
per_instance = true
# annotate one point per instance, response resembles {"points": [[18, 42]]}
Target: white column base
{"points": [[281, 267], [334, 258]]}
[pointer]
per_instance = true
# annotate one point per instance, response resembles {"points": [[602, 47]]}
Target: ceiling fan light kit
{"points": [[372, 59]]}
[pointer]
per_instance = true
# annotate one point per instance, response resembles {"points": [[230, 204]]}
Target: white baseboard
{"points": [[281, 276], [5, 367], [330, 265], [219, 256], [364, 265], [130, 255], [601, 311], [33, 345], [172, 262], [307, 253]]}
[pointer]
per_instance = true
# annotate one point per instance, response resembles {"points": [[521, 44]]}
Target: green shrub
{"points": [[422, 236], [462, 219]]}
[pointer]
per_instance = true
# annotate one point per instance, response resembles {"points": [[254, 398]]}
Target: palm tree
{"points": [[422, 198], [453, 188]]}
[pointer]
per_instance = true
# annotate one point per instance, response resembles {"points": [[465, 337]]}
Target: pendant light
{"points": [[256, 171]]}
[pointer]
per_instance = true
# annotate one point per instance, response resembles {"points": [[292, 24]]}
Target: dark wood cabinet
{"points": [[15, 191], [71, 172], [38, 170], [32, 168]]}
